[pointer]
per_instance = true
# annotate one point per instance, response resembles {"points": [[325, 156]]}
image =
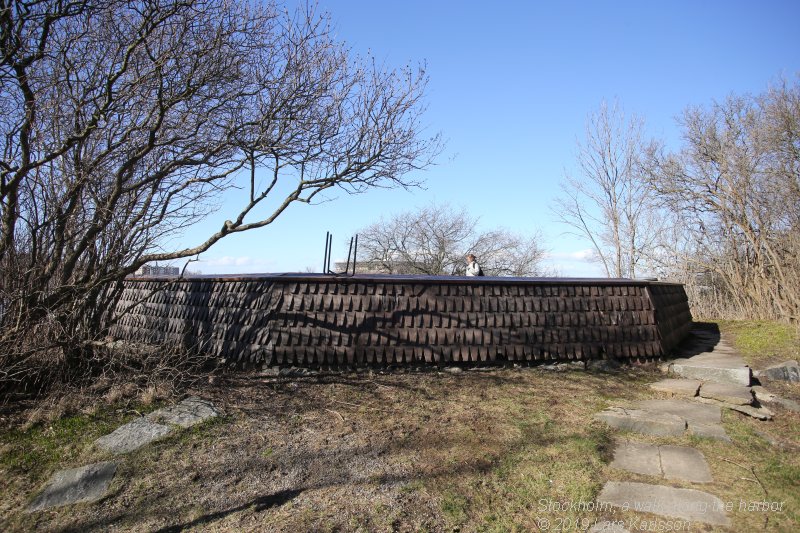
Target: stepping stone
{"points": [[677, 387], [670, 462], [187, 413], [132, 436], [709, 431], [686, 504], [641, 421], [637, 457], [725, 392], [85, 484], [701, 420], [690, 411], [714, 366], [687, 464]]}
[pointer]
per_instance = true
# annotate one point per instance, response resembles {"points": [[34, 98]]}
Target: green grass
{"points": [[763, 342], [37, 451]]}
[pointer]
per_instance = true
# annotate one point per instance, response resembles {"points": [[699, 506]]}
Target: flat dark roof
{"points": [[403, 278]]}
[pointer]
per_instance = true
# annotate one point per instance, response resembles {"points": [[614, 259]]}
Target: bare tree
{"points": [[734, 186], [608, 203], [435, 239], [123, 122]]}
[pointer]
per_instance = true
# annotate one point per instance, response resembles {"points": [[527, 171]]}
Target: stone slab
{"points": [[689, 411], [75, 485], [677, 387], [641, 421], [687, 464], [709, 371], [686, 504], [637, 457], [132, 436], [760, 413], [708, 431], [727, 392], [670, 462], [187, 413], [762, 394]]}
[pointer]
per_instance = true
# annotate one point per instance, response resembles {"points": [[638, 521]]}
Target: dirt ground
{"points": [[390, 451]]}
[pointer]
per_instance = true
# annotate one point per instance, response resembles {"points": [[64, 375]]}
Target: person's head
{"points": [[470, 258]]}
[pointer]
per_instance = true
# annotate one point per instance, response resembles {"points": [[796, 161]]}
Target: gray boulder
{"points": [[787, 371]]}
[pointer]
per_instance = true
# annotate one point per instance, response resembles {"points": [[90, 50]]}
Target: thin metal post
{"points": [[349, 251], [330, 251], [325, 257], [355, 254]]}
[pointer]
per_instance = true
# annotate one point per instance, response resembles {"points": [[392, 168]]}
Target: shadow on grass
{"points": [[262, 503]]}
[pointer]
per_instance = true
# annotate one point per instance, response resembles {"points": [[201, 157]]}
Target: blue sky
{"points": [[511, 85]]}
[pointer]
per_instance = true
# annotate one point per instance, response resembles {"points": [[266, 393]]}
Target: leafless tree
{"points": [[122, 122], [435, 239], [735, 188], [608, 202]]}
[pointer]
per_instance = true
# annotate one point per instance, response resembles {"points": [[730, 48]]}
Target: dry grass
{"points": [[404, 451]]}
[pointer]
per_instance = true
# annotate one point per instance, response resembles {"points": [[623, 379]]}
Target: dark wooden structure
{"points": [[316, 320]]}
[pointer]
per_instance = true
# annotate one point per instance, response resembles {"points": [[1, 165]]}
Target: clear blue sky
{"points": [[511, 85]]}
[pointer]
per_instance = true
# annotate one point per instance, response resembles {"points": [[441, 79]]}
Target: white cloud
{"points": [[585, 255]]}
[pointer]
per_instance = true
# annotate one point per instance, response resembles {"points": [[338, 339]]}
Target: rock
{"points": [[132, 436], [453, 370], [762, 394], [708, 431], [761, 413], [712, 366], [670, 462], [686, 504], [641, 421], [727, 393], [687, 464], [637, 457], [787, 404], [85, 484], [677, 387], [690, 411], [270, 371], [188, 413], [787, 371]]}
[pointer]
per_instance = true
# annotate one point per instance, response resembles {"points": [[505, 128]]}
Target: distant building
{"points": [[157, 270]]}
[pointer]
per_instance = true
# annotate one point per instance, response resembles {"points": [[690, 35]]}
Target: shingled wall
{"points": [[314, 320]]}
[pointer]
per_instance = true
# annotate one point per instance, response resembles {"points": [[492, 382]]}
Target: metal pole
{"points": [[330, 251], [349, 251], [355, 254], [325, 257]]}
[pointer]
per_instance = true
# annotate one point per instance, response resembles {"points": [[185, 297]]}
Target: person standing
{"points": [[473, 268]]}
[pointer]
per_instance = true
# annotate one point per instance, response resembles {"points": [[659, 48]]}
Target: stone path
{"points": [[713, 379], [686, 504], [668, 462], [90, 483]]}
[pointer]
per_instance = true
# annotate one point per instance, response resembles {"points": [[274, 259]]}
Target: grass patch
{"points": [[36, 451], [763, 342]]}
